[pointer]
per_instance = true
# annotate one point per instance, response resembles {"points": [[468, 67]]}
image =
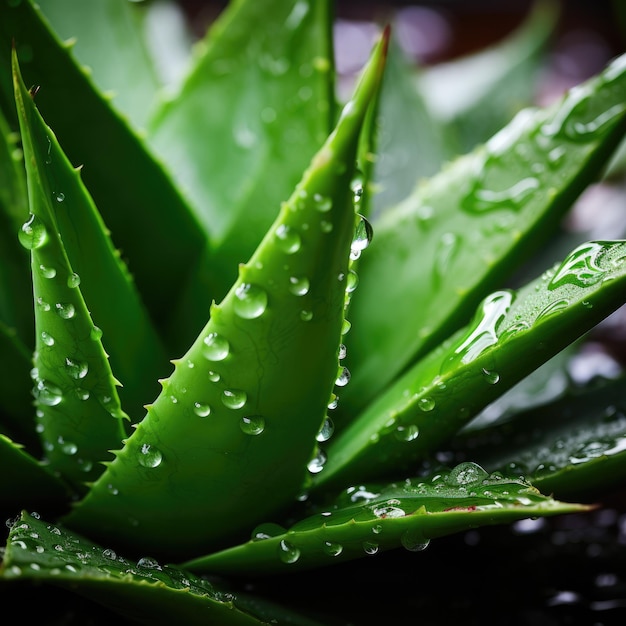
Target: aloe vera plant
{"points": [[243, 338]]}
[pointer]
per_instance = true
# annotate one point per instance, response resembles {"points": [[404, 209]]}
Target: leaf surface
{"points": [[511, 335], [368, 519], [464, 231], [229, 438]]}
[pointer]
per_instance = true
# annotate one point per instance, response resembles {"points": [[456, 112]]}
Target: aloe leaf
{"points": [[256, 146], [573, 445], [136, 197], [145, 589], [463, 231], [17, 418], [137, 355], [511, 335], [109, 42], [79, 412], [229, 438], [476, 95], [24, 481], [373, 518]]}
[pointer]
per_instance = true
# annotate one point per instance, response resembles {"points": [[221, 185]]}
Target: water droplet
{"points": [[343, 377], [81, 394], [299, 286], [316, 464], [47, 272], [42, 304], [326, 226], [96, 333], [215, 348], [214, 377], [267, 530], [287, 552], [322, 203], [69, 448], [414, 540], [352, 281], [552, 308], [326, 431], [332, 549], [491, 377], [343, 351], [234, 398], [466, 474], [73, 280], [409, 432], [287, 239], [582, 266], [250, 301], [148, 562], [109, 554], [481, 200], [201, 410], [345, 327], [46, 338], [33, 233], [426, 404], [65, 310], [76, 369], [46, 393], [363, 234], [306, 316], [370, 548], [149, 456], [252, 424], [60, 196]]}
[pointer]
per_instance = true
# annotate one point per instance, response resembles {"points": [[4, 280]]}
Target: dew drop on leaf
{"points": [[409, 432], [306, 316], [47, 393], [65, 310], [466, 474], [47, 338], [363, 234], [234, 398], [73, 280], [316, 464], [76, 369], [201, 410], [299, 285], [148, 562], [326, 431], [426, 404], [215, 348], [287, 552], [414, 541], [149, 456], [33, 233], [287, 239], [343, 377], [250, 301], [252, 424], [47, 272], [332, 549]]}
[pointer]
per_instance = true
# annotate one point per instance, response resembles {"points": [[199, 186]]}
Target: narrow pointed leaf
{"points": [[147, 590], [24, 481], [228, 440], [260, 95], [108, 40], [79, 413], [369, 519], [145, 212], [511, 335], [573, 445], [137, 354], [460, 234]]}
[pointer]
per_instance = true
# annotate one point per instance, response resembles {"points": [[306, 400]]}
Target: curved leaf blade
{"points": [[229, 438], [511, 335], [459, 235], [368, 519]]}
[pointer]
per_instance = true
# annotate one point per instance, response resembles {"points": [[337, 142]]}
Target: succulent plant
{"points": [[257, 338]]}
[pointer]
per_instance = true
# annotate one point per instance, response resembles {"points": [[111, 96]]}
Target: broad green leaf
{"points": [[137, 355], [260, 96], [24, 481], [476, 95], [573, 445], [462, 232], [144, 590], [368, 519], [17, 416], [145, 212], [79, 413], [227, 441], [511, 335], [108, 40], [15, 291]]}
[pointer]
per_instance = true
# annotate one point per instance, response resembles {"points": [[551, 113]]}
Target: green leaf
{"points": [[573, 445], [229, 438], [137, 355], [511, 335], [145, 212], [108, 40], [260, 95], [79, 413], [462, 232], [146, 590], [368, 519]]}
